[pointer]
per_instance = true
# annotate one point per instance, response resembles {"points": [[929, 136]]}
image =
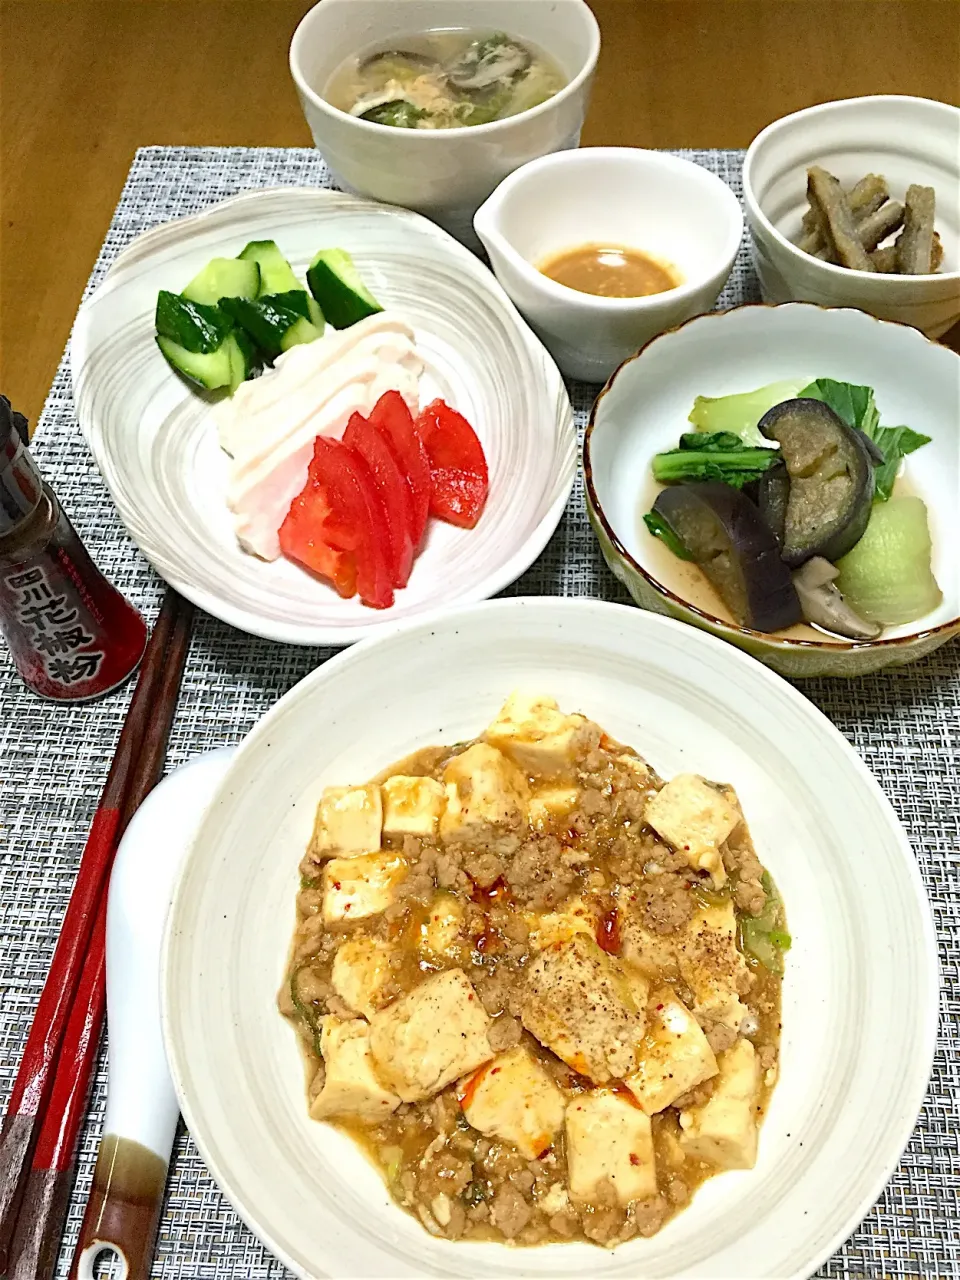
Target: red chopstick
{"points": [[46, 1195], [31, 1095]]}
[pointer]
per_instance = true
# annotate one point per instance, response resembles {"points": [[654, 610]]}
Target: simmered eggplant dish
{"points": [[539, 984]]}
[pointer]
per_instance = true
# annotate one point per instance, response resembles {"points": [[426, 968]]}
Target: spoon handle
{"points": [[123, 1210]]}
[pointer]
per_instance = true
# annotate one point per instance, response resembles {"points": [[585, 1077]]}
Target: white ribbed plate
{"points": [[860, 994], [155, 443]]}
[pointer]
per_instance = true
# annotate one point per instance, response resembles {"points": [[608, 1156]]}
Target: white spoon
{"points": [[140, 1121]]}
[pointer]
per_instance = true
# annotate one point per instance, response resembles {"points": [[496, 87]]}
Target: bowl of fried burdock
{"points": [[857, 203]]}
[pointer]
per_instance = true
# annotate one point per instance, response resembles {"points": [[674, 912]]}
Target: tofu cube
{"points": [[486, 800], [348, 822], [512, 1098], [361, 970], [430, 1037], [609, 1138], [538, 737], [551, 805], [440, 931], [724, 1130], [354, 888], [711, 965], [652, 954], [674, 1056], [412, 806], [560, 926], [578, 1002], [351, 1086], [695, 817]]}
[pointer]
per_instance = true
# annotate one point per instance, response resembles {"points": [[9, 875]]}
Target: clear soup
{"points": [[444, 80]]}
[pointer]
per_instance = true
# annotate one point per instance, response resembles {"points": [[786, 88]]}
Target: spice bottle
{"points": [[72, 634]]}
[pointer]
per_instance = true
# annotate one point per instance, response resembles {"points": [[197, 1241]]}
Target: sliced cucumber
{"points": [[298, 334], [210, 369], [192, 325], [224, 278], [300, 301], [232, 362], [276, 275], [336, 284], [243, 357], [272, 323], [888, 577]]}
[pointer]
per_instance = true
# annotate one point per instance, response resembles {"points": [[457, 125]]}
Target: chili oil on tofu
{"points": [[537, 983]]}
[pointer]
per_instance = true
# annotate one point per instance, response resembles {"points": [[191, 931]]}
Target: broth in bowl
{"points": [[444, 80]]}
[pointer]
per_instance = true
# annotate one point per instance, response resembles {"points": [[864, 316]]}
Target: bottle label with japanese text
{"points": [[73, 636]]}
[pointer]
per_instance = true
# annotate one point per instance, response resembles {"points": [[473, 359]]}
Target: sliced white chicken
{"points": [[313, 391]]}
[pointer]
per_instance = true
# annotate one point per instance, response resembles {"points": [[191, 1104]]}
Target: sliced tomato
{"points": [[360, 517], [393, 419], [303, 537], [393, 490], [459, 481]]}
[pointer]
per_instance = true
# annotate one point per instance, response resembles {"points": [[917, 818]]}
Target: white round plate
{"points": [[155, 443], [860, 994]]}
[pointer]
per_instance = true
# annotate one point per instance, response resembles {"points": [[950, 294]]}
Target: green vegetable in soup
{"points": [[399, 113], [661, 529], [720, 455], [888, 577], [856, 405], [895, 443], [306, 1009], [741, 413], [765, 937]]}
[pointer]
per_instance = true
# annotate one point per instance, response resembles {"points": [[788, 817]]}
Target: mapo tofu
{"points": [[539, 984]]}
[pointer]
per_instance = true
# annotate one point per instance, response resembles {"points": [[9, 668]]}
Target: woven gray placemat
{"points": [[905, 724]]}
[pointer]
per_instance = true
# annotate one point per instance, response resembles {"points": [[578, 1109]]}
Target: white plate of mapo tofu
{"points": [[585, 929]]}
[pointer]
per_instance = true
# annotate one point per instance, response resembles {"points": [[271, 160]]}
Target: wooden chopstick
{"points": [[46, 1195], [34, 1082]]}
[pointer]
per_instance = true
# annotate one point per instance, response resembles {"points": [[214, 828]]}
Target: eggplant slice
{"points": [[724, 533], [831, 479], [773, 494]]}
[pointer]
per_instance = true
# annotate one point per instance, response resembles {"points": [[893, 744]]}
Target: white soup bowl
{"points": [[443, 173]]}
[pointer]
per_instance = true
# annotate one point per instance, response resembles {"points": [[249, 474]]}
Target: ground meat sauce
{"points": [[459, 1183]]}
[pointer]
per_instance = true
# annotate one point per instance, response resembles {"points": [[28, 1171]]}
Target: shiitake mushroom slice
{"points": [[495, 60], [724, 533], [417, 61], [830, 469]]}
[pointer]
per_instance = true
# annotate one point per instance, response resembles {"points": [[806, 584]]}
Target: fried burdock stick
{"points": [[827, 197], [872, 229], [865, 198], [885, 259], [915, 244]]}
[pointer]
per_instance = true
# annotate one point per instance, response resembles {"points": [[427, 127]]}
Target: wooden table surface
{"points": [[85, 82]]}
